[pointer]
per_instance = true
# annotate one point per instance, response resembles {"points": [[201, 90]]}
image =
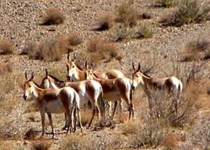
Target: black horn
{"points": [[46, 72], [133, 66]]}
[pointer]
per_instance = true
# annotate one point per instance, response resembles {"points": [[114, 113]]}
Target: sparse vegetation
{"points": [[6, 46], [74, 38], [102, 49], [165, 3], [196, 50], [147, 134], [121, 32], [41, 146], [76, 142], [126, 14], [49, 50], [105, 22], [189, 11], [53, 16], [143, 32]]}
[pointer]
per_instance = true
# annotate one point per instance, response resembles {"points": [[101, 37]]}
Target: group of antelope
{"points": [[85, 85]]}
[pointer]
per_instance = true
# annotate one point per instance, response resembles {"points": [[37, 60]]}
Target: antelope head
{"points": [[71, 67], [89, 71], [28, 87], [137, 76]]}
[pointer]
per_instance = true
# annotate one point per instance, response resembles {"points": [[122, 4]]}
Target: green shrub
{"points": [[189, 11]]}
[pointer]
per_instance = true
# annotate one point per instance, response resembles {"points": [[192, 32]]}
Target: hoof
{"points": [[65, 128]]}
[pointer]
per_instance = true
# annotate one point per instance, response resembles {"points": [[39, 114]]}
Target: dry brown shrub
{"points": [[41, 145], [76, 142], [6, 46], [53, 16], [196, 50], [199, 135], [147, 133], [145, 16], [74, 38], [7, 84], [48, 50], [92, 44], [102, 49], [170, 141], [5, 68], [126, 13], [31, 49], [105, 22]]}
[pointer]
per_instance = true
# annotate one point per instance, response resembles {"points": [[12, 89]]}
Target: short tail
{"points": [[180, 88]]}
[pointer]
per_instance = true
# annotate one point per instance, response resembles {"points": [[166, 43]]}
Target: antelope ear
{"points": [[91, 65], [139, 66], [32, 76], [68, 57], [86, 65], [75, 57], [26, 76], [46, 72], [133, 66], [67, 66]]}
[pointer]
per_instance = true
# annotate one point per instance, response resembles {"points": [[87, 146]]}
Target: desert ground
{"points": [[162, 50]]}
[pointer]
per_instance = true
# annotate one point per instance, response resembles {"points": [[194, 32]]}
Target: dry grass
{"points": [[53, 16], [105, 22], [7, 80], [121, 32], [148, 133], [41, 145], [199, 135], [75, 142], [5, 68], [126, 14], [101, 49], [196, 50], [143, 32], [74, 38], [6, 46], [165, 3], [189, 11], [48, 50]]}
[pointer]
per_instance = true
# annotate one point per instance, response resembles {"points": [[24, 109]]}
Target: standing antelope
{"points": [[172, 84], [115, 89], [50, 101], [87, 90], [75, 73]]}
